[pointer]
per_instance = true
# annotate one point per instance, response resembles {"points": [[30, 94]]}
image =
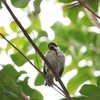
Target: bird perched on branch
{"points": [[57, 60]]}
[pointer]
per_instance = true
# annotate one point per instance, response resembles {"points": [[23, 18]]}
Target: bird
{"points": [[56, 58]]}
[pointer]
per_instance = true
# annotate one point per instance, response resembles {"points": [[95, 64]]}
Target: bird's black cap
{"points": [[51, 45]]}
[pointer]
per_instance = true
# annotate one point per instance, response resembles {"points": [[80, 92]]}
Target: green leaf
{"points": [[42, 33], [9, 96], [2, 30], [76, 98], [79, 98], [37, 5], [20, 3], [37, 61], [78, 79], [36, 95], [18, 59], [94, 5], [98, 82], [9, 83], [35, 24], [25, 87], [61, 31], [39, 80], [66, 1], [1, 3], [73, 11], [10, 70], [89, 89], [93, 97], [43, 47], [14, 26]]}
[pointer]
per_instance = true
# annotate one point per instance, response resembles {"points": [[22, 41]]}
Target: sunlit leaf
{"points": [[3, 31], [14, 26]]}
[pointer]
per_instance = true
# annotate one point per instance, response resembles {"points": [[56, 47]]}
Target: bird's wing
{"points": [[51, 57], [61, 63]]}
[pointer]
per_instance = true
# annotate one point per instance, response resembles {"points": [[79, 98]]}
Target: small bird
{"points": [[57, 60]]}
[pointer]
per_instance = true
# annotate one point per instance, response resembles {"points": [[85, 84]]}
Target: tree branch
{"points": [[88, 8], [92, 17], [31, 63], [38, 51]]}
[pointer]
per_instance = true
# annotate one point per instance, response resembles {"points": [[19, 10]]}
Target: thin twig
{"points": [[39, 52], [36, 54], [92, 17], [21, 53], [58, 91]]}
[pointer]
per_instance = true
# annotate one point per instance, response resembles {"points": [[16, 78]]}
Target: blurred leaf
{"points": [[93, 97], [35, 24], [2, 30], [10, 70], [78, 79], [14, 26], [20, 3], [43, 47], [9, 96], [98, 82], [18, 59], [39, 80], [37, 6], [89, 89], [9, 83], [21, 43], [36, 95], [25, 87], [61, 31], [79, 98], [1, 3], [66, 1], [37, 61], [74, 11], [76, 98], [94, 4], [42, 34]]}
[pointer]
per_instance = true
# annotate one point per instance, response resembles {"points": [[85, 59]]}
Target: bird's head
{"points": [[52, 46]]}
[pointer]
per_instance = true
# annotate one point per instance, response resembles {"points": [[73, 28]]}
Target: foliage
{"points": [[78, 39]]}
